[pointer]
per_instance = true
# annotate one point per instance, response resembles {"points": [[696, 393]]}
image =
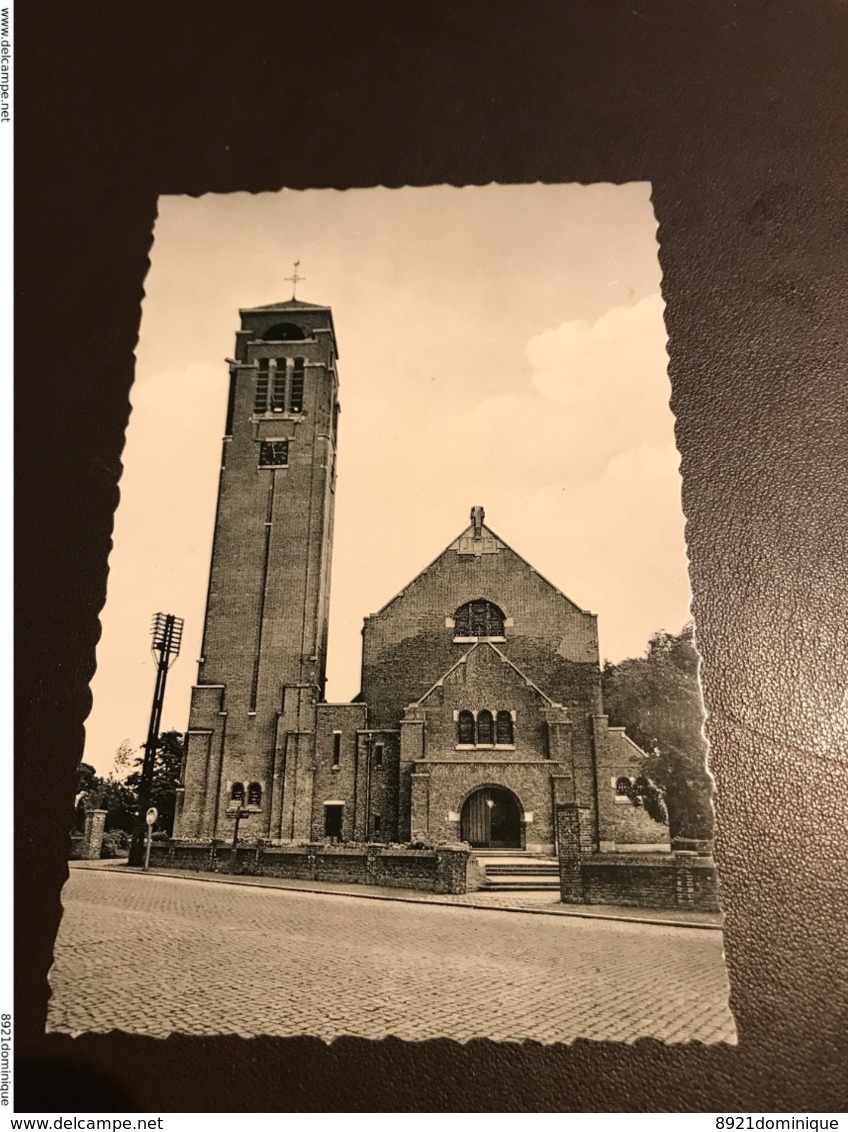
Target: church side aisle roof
{"points": [[501, 656]]}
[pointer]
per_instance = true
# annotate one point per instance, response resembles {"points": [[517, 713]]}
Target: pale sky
{"points": [[501, 345]]}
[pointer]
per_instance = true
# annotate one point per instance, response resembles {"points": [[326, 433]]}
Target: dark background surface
{"points": [[736, 112]]}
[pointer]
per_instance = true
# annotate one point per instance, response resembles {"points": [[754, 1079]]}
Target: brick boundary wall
{"points": [[444, 870], [685, 880]]}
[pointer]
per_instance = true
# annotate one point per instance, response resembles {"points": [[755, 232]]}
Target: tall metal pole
{"points": [[167, 632]]}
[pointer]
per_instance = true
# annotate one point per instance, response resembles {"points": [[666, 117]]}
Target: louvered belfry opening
{"points": [[262, 377], [278, 388], [296, 394]]}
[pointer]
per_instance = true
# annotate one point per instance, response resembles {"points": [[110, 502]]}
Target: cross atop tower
{"points": [[294, 279]]}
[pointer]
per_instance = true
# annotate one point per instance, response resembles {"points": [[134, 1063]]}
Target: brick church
{"points": [[480, 706]]}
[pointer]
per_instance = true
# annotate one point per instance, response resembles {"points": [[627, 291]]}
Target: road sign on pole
{"points": [[150, 817]]}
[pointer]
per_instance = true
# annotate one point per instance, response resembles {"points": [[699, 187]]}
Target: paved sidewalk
{"points": [[534, 903]]}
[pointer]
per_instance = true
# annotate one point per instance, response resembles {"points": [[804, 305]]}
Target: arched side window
{"points": [[623, 787], [465, 728], [254, 794], [504, 735], [485, 729], [478, 619], [237, 792]]}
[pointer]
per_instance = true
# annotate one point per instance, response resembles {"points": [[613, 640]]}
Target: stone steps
{"points": [[530, 869], [507, 872], [523, 884]]}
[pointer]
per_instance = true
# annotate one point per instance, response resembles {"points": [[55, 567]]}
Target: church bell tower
{"points": [[262, 669]]}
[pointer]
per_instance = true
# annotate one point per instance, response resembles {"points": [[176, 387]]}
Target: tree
{"points": [[109, 794], [123, 758], [657, 699], [167, 767]]}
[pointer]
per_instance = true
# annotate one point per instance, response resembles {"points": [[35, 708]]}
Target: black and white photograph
{"points": [[397, 725]]}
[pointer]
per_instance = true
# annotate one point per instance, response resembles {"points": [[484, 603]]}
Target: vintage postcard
{"points": [[397, 726]]}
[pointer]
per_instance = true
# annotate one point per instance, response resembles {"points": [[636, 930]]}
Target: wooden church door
{"points": [[477, 819]]}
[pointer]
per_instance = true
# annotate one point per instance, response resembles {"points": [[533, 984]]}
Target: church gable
{"points": [[476, 542], [418, 635]]}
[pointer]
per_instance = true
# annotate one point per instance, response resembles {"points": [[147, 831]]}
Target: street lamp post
{"points": [[166, 632]]}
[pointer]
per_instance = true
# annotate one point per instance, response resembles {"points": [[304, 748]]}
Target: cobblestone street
{"points": [[153, 955]]}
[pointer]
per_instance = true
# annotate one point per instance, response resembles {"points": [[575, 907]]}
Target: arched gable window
{"points": [[237, 792], [465, 728], [623, 787], [254, 794], [503, 729], [478, 619], [485, 729]]}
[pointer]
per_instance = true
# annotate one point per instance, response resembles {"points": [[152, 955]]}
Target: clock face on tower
{"points": [[273, 453]]}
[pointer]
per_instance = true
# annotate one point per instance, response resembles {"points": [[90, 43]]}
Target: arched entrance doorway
{"points": [[491, 819]]}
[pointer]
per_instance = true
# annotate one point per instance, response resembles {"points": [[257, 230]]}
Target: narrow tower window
{"points": [[378, 755], [260, 404], [485, 729], [296, 402], [337, 748], [237, 792], [465, 728], [278, 389], [504, 735], [254, 794]]}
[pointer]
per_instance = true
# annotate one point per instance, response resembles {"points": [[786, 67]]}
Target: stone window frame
{"points": [[337, 751], [450, 623], [477, 746], [623, 794]]}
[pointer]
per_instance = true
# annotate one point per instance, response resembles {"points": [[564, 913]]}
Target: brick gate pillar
{"points": [[92, 843], [569, 818], [420, 807]]}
